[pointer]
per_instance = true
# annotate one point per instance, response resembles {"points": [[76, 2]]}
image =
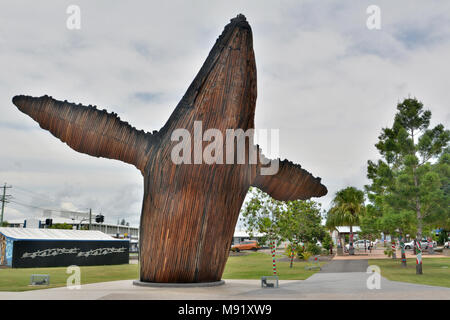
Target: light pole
{"points": [[4, 201], [79, 223]]}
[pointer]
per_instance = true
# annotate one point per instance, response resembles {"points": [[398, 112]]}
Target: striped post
{"points": [[430, 245], [272, 246], [292, 254], [394, 252], [350, 247], [402, 247], [419, 258]]}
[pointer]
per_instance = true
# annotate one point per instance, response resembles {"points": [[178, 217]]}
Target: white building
{"points": [[343, 230], [241, 235], [113, 230]]}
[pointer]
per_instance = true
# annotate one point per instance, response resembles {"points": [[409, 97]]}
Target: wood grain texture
{"points": [[189, 211]]}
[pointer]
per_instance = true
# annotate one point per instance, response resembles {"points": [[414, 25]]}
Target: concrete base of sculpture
{"points": [[178, 285]]}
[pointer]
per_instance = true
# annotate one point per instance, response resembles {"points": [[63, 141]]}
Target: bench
{"points": [[40, 280], [314, 263], [272, 284]]}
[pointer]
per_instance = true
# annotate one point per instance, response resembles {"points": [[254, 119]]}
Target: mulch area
{"points": [[324, 258], [296, 260]]}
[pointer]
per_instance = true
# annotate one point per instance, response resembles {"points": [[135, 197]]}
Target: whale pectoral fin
{"points": [[88, 130], [289, 182]]}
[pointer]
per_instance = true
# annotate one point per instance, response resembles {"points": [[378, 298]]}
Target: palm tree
{"points": [[348, 206]]}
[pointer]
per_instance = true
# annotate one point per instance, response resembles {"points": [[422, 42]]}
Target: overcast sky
{"points": [[326, 81]]}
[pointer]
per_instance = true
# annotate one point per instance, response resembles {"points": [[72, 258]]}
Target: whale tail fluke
{"points": [[88, 130]]}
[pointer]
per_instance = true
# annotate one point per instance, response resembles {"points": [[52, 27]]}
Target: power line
{"points": [[28, 205], [40, 197], [33, 194], [55, 210]]}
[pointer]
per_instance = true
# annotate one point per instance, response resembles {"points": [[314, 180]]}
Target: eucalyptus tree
{"points": [[261, 214], [297, 221], [300, 222]]}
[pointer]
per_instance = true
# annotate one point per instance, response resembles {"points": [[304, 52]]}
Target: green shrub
{"points": [[306, 255], [289, 248], [61, 226], [442, 238], [300, 251], [313, 248], [389, 252], [327, 242]]}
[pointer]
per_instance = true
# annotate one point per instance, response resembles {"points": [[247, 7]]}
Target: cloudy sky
{"points": [[326, 81]]}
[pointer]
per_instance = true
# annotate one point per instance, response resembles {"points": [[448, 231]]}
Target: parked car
{"points": [[447, 245], [359, 244], [246, 245], [423, 244], [410, 245]]}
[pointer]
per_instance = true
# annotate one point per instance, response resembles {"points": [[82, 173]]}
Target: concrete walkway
{"points": [[344, 278], [346, 266], [322, 285]]}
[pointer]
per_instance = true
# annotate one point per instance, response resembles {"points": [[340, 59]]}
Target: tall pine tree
{"points": [[404, 180]]}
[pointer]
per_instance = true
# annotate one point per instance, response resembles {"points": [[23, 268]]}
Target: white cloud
{"points": [[324, 79]]}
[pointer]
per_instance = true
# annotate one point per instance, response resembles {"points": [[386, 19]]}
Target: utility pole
{"points": [[90, 218], [4, 201]]}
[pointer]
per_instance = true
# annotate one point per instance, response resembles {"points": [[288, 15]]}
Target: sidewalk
{"points": [[322, 285]]}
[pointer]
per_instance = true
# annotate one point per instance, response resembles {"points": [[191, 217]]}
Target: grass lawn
{"points": [[19, 279], [251, 266], [257, 264], [436, 271]]}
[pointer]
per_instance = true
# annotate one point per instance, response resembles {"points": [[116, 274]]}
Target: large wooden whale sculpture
{"points": [[189, 211]]}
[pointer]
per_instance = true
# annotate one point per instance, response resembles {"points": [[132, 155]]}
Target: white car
{"points": [[409, 245], [359, 244], [447, 245], [423, 243]]}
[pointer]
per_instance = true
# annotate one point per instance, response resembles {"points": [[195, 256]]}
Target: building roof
{"points": [[244, 234], [69, 221], [54, 234], [346, 229]]}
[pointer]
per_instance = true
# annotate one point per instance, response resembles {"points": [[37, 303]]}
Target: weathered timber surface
{"points": [[189, 211]]}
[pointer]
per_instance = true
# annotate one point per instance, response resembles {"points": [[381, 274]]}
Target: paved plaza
{"points": [[337, 280], [344, 277]]}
